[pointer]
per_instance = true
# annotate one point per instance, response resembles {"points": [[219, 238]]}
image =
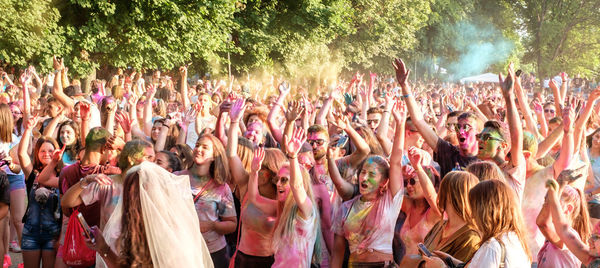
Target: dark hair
{"points": [[374, 110], [590, 138], [135, 251], [132, 149], [502, 129], [174, 161], [72, 150], [37, 164], [185, 154], [317, 129]]}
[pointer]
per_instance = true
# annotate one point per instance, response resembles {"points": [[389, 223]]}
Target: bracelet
{"points": [[386, 111], [290, 157], [405, 96]]}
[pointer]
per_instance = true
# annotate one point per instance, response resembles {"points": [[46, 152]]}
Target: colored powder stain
{"points": [[371, 181]]}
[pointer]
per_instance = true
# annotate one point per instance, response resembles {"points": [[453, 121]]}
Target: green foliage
{"points": [[30, 32], [561, 35]]}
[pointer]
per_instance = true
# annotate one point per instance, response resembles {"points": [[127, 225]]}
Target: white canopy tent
{"points": [[487, 77]]}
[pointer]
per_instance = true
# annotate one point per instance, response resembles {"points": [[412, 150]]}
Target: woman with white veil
{"points": [[158, 223]]}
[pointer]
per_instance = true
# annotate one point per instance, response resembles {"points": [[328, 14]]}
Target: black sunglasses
{"points": [[411, 181]]}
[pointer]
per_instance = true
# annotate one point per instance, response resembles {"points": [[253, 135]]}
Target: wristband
{"points": [[290, 157], [405, 96]]}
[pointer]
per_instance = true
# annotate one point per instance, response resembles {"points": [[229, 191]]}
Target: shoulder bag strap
{"points": [[502, 255]]}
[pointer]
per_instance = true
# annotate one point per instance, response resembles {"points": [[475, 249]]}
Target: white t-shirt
{"points": [[533, 200], [488, 255], [296, 249]]}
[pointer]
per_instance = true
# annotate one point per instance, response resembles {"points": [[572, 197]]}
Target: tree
{"points": [[134, 33], [561, 35], [30, 32]]}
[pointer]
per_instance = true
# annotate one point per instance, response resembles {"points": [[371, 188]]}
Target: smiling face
{"points": [[596, 140], [203, 153], [45, 153], [67, 135], [371, 177], [16, 112], [254, 133], [466, 133], [156, 130], [318, 141], [491, 144], [282, 182]]}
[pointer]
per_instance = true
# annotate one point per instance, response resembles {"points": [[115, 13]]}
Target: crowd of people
{"points": [[375, 172]]}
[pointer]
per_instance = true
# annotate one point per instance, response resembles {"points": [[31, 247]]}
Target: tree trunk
{"points": [[86, 82]]}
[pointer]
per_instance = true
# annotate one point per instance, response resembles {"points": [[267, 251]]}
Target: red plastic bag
{"points": [[75, 252]]}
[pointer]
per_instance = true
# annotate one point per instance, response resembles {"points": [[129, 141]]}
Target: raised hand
{"points": [[183, 71], [84, 111], [537, 107], [150, 91], [294, 143], [415, 156], [189, 117], [32, 122], [237, 110], [507, 84], [124, 120], [57, 63], [568, 115], [399, 111], [401, 72], [57, 155], [25, 78], [259, 156], [133, 100], [564, 76], [340, 121], [294, 111], [594, 95], [115, 143], [284, 88], [333, 152]]}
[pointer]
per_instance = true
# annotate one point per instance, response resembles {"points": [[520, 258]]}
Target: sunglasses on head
{"points": [[410, 181]]}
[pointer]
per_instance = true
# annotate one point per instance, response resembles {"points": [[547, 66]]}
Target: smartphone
{"points": [[423, 249], [86, 227], [449, 108], [341, 142]]}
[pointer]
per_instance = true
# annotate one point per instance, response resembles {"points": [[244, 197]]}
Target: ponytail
{"points": [[580, 216]]}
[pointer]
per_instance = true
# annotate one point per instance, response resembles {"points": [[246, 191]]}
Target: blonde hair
{"points": [[580, 216], [6, 123], [454, 190], [496, 211], [285, 221], [486, 170]]}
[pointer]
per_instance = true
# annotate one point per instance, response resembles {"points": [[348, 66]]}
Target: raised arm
{"points": [[321, 118], [266, 205], [150, 91], [585, 116], [293, 145], [238, 173], [514, 121], [57, 90], [84, 110], [562, 226], [344, 188], [396, 179], [24, 158], [184, 87], [523, 104], [272, 121], [362, 148], [558, 98], [384, 125], [72, 197], [541, 118], [415, 156], [568, 146], [413, 108], [25, 78]]}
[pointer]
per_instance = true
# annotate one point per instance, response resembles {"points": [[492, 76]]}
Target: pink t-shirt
{"points": [[552, 257]]}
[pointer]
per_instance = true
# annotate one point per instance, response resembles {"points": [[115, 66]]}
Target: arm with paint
{"points": [[384, 125], [396, 183], [238, 173], [568, 146], [414, 110], [415, 156], [514, 121], [344, 188], [266, 205], [272, 118], [293, 145], [522, 99], [362, 148], [585, 116]]}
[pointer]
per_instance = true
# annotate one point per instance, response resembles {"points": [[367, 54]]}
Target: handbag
{"points": [[75, 252]]}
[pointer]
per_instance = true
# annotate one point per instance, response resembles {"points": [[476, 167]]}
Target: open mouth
{"points": [[364, 185], [281, 191], [461, 139]]}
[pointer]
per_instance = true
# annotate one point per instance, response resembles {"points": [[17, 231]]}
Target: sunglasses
{"points": [[549, 111], [277, 179], [372, 121], [487, 136], [318, 142], [410, 181], [466, 128]]}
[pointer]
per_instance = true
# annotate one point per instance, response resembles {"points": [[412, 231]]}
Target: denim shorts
{"points": [[39, 242], [16, 182]]}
